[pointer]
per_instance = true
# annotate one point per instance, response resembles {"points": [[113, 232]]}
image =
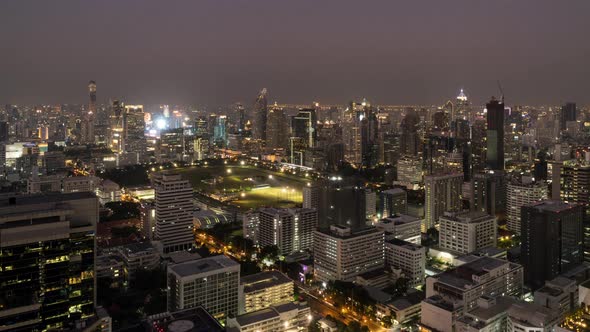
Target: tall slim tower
{"points": [[495, 135], [90, 116], [174, 212], [259, 116]]}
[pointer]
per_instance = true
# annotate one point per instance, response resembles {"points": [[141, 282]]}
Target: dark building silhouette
{"points": [[495, 135], [259, 114], [551, 234], [568, 113]]}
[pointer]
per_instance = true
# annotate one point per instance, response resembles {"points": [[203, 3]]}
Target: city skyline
{"points": [[214, 53]]}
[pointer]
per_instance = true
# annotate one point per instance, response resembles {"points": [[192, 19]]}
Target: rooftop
{"points": [[399, 219], [19, 200], [203, 265], [345, 235], [190, 320], [271, 312], [405, 244], [553, 206], [462, 276], [467, 216], [264, 280]]}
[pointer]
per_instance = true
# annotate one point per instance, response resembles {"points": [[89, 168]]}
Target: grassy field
{"points": [[284, 190]]}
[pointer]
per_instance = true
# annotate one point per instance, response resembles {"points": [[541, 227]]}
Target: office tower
{"points": [[134, 132], [401, 226], [359, 134], [116, 136], [339, 201], [409, 140], [495, 135], [264, 289], [574, 184], [341, 254], [488, 193], [47, 250], [409, 172], [370, 205], [551, 235], [201, 128], [303, 125], [519, 193], [241, 118], [171, 145], [259, 115], [568, 113], [408, 257], [466, 232], [442, 193], [92, 95], [200, 148], [279, 317], [393, 202], [220, 131], [288, 229], [89, 116], [211, 282], [541, 166], [174, 212], [276, 129]]}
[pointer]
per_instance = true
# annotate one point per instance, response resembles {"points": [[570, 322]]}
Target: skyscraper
{"points": [[134, 131], [575, 188], [174, 211], [495, 134], [288, 229], [568, 113], [241, 118], [551, 234], [259, 115], [47, 250], [303, 125], [276, 128], [90, 116], [409, 140], [519, 193], [443, 194]]}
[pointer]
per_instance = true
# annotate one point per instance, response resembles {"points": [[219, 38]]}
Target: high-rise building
{"points": [[519, 193], [276, 128], [408, 257], [340, 254], [288, 229], [568, 113], [466, 232], [211, 282], [116, 136], [90, 116], [134, 141], [401, 226], [574, 184], [241, 118], [393, 202], [174, 211], [495, 134], [303, 125], [47, 251], [442, 194], [339, 201], [220, 131], [488, 193], [409, 140], [552, 240], [259, 115]]}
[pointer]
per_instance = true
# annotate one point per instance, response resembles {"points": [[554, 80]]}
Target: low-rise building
{"points": [[280, 318], [401, 226], [559, 294], [139, 257], [261, 290]]}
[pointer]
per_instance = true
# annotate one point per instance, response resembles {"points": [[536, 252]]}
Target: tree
{"points": [[354, 326], [270, 253]]}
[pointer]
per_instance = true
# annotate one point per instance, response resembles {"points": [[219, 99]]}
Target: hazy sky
{"points": [[222, 51]]}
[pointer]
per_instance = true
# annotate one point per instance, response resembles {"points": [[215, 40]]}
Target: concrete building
{"points": [[560, 295], [443, 194], [485, 276], [408, 257], [76, 184], [530, 317], [466, 232], [250, 224], [284, 317], [174, 212], [393, 202], [340, 254], [108, 191], [261, 290], [47, 269], [211, 282], [401, 227], [139, 257], [289, 229], [522, 193]]}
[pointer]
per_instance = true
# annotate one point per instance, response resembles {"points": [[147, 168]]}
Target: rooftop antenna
{"points": [[501, 91]]}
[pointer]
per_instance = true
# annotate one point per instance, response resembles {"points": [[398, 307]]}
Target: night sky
{"points": [[222, 51]]}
